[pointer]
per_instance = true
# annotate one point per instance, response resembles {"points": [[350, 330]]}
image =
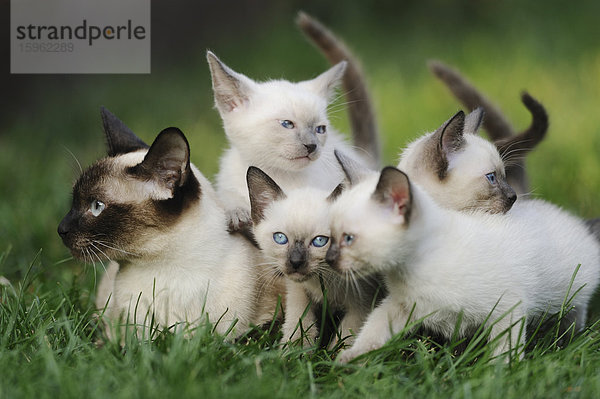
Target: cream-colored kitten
{"points": [[292, 230], [459, 169], [442, 265], [154, 213], [279, 126]]}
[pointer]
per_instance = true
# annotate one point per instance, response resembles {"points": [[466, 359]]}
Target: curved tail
{"points": [[522, 143], [360, 108], [512, 146]]}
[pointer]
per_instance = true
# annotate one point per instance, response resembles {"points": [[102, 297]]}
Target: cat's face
{"points": [[292, 230], [276, 124], [122, 202], [459, 169], [369, 224]]}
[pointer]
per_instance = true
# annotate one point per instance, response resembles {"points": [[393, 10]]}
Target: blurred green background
{"points": [[550, 48]]}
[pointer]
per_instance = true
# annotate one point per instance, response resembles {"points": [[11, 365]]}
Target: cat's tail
{"points": [[360, 107], [522, 143], [512, 146]]}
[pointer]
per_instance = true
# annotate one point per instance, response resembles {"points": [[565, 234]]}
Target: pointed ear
{"points": [[446, 140], [263, 191], [474, 120], [326, 83], [231, 89], [393, 191], [119, 138], [167, 162], [335, 193], [353, 170]]}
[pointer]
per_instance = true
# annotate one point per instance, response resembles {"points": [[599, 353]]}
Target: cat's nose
{"points": [[310, 148], [512, 198], [62, 229], [297, 257]]}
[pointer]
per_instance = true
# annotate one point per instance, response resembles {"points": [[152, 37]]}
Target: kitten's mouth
{"points": [[298, 277]]}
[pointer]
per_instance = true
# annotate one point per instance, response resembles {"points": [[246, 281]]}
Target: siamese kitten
{"points": [[279, 126], [459, 169], [442, 265], [512, 146], [292, 229], [153, 212]]}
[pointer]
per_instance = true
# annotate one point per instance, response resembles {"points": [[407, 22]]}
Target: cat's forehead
{"points": [[479, 156], [303, 211], [107, 176], [282, 96]]}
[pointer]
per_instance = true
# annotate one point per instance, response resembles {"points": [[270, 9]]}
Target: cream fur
{"points": [[446, 262], [190, 272], [252, 113], [302, 216]]}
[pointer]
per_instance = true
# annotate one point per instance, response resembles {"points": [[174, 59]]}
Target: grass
{"points": [[47, 331]]}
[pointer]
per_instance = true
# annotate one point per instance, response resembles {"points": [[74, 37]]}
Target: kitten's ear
{"points": [[353, 170], [167, 162], [231, 89], [326, 83], [119, 138], [335, 193], [393, 191], [263, 191], [474, 120], [447, 139]]}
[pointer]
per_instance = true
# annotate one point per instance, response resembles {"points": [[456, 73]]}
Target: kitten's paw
{"points": [[347, 355], [239, 220]]}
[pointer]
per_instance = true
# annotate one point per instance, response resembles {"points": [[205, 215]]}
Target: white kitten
{"points": [[158, 216], [278, 126], [292, 230], [441, 264], [459, 169]]}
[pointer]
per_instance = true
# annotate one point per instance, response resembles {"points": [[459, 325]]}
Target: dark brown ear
{"points": [[393, 191], [263, 191], [447, 139], [335, 193], [119, 138], [353, 170], [231, 89], [474, 120], [168, 160]]}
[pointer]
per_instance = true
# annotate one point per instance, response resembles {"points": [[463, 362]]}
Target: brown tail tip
{"points": [[539, 123]]}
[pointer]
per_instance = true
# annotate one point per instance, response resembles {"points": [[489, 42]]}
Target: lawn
{"points": [[48, 337]]}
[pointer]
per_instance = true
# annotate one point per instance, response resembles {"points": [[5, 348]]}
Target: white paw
{"points": [[239, 220], [348, 354]]}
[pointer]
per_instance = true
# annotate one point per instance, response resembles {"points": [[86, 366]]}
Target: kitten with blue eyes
{"points": [[459, 169], [441, 265], [281, 127], [149, 209], [292, 230]]}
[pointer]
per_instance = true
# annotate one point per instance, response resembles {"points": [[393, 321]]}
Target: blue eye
{"points": [[320, 241], [321, 129], [347, 239], [491, 178], [280, 238], [287, 124]]}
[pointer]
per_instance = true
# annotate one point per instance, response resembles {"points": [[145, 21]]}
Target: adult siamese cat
{"points": [[442, 265], [149, 209]]}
